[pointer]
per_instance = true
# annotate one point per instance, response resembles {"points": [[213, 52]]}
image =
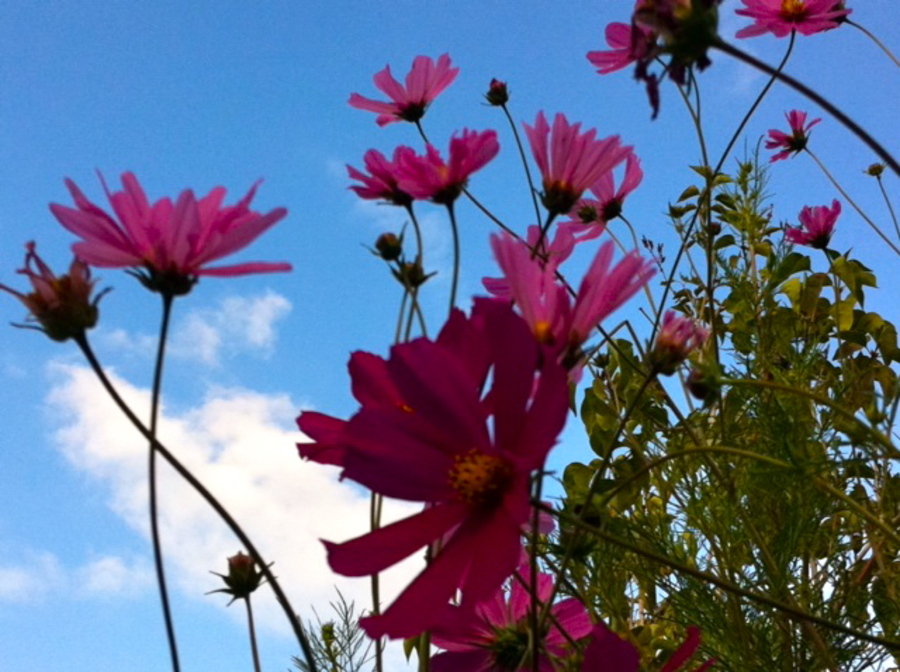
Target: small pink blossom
{"points": [[467, 454], [570, 161], [782, 17], [172, 243], [816, 226], [793, 142], [590, 216], [628, 43], [60, 304], [496, 636], [430, 177], [678, 337], [381, 181], [425, 81]]}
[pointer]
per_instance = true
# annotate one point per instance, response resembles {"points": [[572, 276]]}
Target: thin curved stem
{"points": [[253, 647], [456, 257], [167, 300], [874, 39], [210, 499], [890, 206], [829, 107], [852, 203], [534, 200]]}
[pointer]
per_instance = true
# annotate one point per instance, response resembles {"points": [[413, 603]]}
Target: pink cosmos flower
{"points": [[424, 83], [60, 304], [590, 215], [608, 652], [430, 177], [545, 303], [816, 226], [782, 17], [570, 161], [381, 181], [628, 44], [793, 142], [496, 635], [171, 243], [466, 454], [677, 339]]}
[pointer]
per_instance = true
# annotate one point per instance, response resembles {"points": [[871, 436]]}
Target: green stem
{"points": [[889, 206], [534, 200], [456, 257], [253, 648], [874, 39], [167, 300], [210, 499]]}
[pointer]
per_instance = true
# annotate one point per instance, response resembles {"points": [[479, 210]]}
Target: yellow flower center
{"points": [[543, 332], [793, 10], [479, 478]]}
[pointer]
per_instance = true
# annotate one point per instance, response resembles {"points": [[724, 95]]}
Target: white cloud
{"points": [[31, 580], [237, 324], [111, 575], [241, 446]]}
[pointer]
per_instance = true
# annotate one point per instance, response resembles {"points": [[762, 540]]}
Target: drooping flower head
{"points": [[782, 17], [570, 161], [381, 182], [169, 244], [425, 81], [590, 216], [465, 452], [678, 337], [793, 142], [495, 637], [430, 177], [61, 305], [816, 226], [628, 44]]}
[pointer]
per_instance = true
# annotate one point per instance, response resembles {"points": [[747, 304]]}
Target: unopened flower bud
{"points": [[497, 94], [60, 304], [410, 274], [242, 579], [703, 386], [875, 170], [389, 246]]}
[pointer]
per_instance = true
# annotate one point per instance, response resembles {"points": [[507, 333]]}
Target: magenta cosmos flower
{"points": [[793, 142], [545, 304], [628, 43], [60, 304], [171, 243], [677, 339], [781, 17], [608, 652], [466, 453], [816, 226], [496, 636], [590, 216], [430, 177], [570, 161], [424, 83], [381, 182]]}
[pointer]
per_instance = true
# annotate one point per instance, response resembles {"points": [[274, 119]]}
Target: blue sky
{"points": [[204, 94]]}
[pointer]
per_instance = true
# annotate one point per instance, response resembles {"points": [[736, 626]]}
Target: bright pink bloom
{"points": [[172, 243], [570, 161], [628, 44], [424, 83], [781, 17], [793, 142], [468, 455], [590, 216], [381, 181], [545, 304], [816, 226], [430, 177], [60, 304], [496, 636], [608, 652], [677, 339]]}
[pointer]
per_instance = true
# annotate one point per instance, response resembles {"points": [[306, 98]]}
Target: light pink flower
{"points": [[628, 44], [781, 17], [496, 636], [467, 454], [172, 243], [570, 161], [816, 226], [430, 177], [381, 181], [545, 304], [793, 142], [678, 337], [60, 304], [425, 81]]}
